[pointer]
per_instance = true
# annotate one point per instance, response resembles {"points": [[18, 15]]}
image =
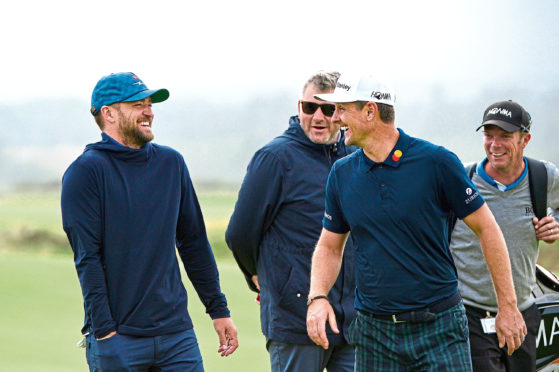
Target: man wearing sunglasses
{"points": [[274, 229]]}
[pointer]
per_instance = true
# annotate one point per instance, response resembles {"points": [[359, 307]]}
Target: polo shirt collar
{"points": [[483, 174], [395, 157]]}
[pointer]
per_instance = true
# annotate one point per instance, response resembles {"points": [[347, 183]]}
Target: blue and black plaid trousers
{"points": [[438, 346]]}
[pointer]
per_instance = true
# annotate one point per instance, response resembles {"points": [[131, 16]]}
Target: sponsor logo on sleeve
{"points": [[326, 215], [471, 195]]}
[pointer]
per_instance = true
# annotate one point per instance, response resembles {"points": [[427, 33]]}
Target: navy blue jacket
{"points": [[275, 227], [124, 210]]}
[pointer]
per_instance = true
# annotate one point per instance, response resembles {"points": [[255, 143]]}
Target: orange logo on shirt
{"points": [[397, 155]]}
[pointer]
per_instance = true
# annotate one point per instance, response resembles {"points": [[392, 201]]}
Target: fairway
{"points": [[41, 309], [41, 315]]}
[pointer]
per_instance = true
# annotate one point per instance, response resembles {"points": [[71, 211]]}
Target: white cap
{"points": [[360, 88]]}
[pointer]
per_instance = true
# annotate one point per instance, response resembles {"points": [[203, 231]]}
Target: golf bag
{"points": [[547, 300]]}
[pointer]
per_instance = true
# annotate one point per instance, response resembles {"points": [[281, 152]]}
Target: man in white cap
{"points": [[396, 196], [506, 178]]}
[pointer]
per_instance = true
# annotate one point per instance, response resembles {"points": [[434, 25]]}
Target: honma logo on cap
{"points": [[381, 95], [499, 111]]}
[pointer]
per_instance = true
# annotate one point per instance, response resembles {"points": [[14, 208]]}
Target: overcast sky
{"points": [[234, 49]]}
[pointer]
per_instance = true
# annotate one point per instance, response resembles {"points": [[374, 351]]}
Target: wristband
{"points": [[310, 300]]}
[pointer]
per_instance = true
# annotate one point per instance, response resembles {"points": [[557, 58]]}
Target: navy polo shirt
{"points": [[398, 212]]}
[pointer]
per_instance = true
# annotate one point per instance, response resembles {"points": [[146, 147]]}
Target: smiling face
{"points": [[351, 115], [318, 127], [504, 150], [134, 121]]}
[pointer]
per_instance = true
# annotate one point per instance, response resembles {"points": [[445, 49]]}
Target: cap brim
{"points": [[336, 98], [508, 127], [157, 95]]}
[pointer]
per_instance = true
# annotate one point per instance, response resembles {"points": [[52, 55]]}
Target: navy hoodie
{"points": [[275, 226], [124, 210]]}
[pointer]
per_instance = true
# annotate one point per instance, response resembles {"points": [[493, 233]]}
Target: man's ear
{"points": [[526, 139], [371, 109], [108, 114]]}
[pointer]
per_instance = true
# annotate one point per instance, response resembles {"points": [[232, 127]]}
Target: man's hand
{"points": [[107, 336], [511, 328], [547, 229], [318, 313], [254, 279], [227, 333]]}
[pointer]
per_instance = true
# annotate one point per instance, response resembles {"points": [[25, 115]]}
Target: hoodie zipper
{"points": [[330, 150]]}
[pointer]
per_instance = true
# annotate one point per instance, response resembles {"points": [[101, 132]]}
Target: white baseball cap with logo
{"points": [[360, 88]]}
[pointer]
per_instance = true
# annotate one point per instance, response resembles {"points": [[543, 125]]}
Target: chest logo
{"points": [[397, 155]]}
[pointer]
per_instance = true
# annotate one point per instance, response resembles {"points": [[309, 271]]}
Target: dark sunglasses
{"points": [[310, 108]]}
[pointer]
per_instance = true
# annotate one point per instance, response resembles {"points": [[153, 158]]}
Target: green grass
{"points": [[32, 222], [41, 309], [217, 209], [41, 315]]}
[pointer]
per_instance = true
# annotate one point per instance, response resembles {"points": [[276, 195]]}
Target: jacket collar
{"points": [[295, 132]]}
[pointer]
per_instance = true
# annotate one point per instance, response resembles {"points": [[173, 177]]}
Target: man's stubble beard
{"points": [[132, 134]]}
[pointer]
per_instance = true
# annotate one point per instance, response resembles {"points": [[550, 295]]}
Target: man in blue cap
{"points": [[126, 204]]}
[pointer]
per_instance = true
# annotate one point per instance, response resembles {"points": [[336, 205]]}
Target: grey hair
{"points": [[323, 80]]}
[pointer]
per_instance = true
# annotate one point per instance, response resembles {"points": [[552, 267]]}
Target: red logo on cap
{"points": [[134, 77]]}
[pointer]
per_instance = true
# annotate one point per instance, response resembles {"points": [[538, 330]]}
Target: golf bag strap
{"points": [[537, 179], [537, 176]]}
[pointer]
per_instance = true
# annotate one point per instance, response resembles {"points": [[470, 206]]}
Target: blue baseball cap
{"points": [[123, 87]]}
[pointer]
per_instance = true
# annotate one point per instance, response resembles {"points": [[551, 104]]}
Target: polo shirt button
{"points": [[298, 295], [382, 185]]}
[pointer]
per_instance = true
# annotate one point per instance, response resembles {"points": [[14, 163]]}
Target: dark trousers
{"points": [[177, 352], [286, 357], [486, 354]]}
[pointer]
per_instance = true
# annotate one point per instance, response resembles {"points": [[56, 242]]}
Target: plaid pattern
{"points": [[442, 345]]}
